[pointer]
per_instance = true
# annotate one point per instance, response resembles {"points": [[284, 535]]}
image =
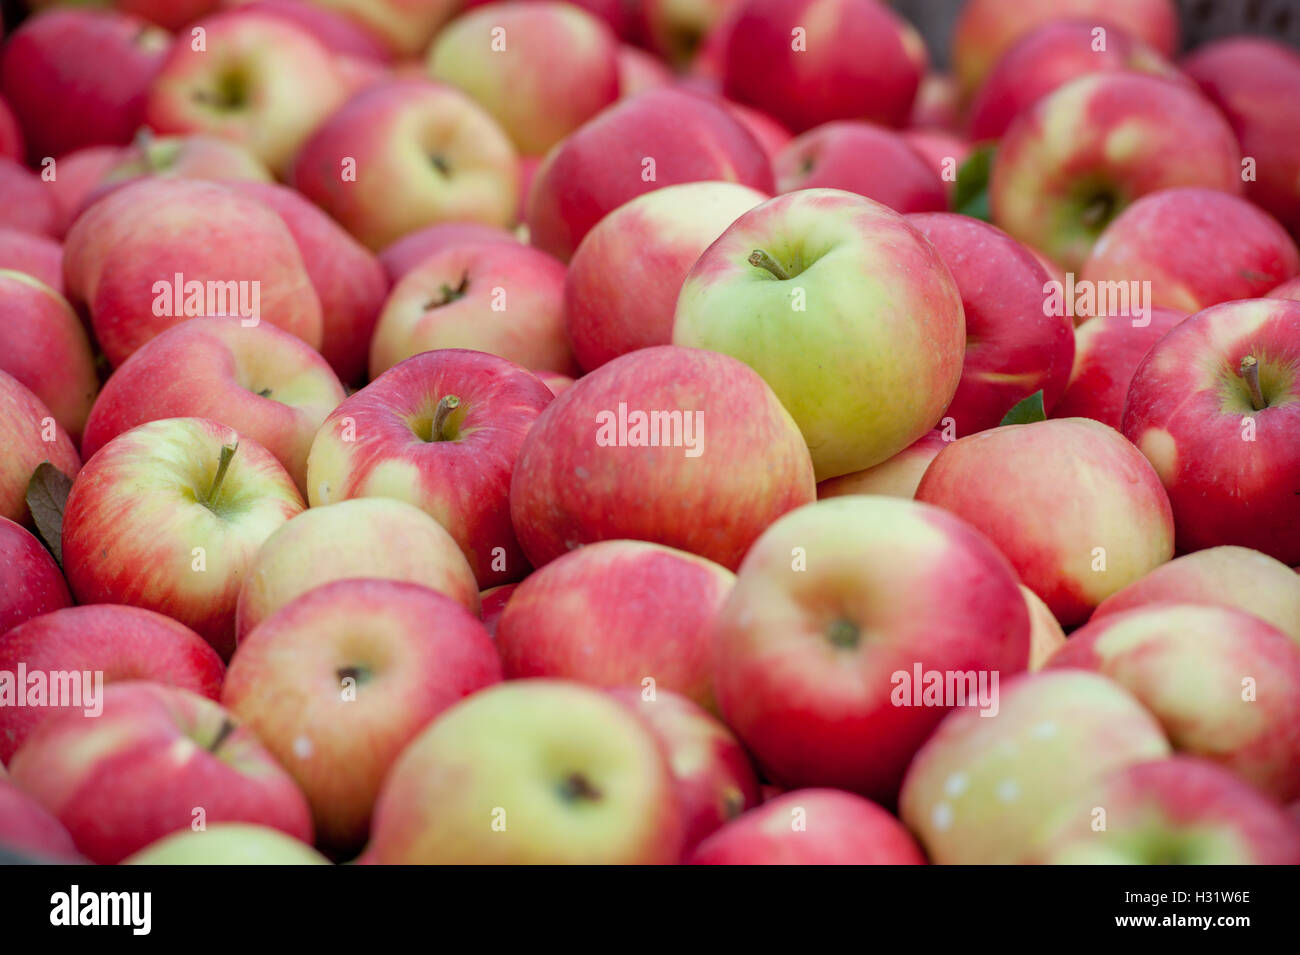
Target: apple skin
{"points": [[493, 602], [841, 829], [78, 78], [1288, 290], [749, 471], [814, 706], [409, 251], [897, 477], [503, 298], [1197, 248], [1180, 810], [333, 30], [620, 291], [869, 363], [35, 255], [29, 206], [149, 231], [987, 791], [943, 151], [1234, 577], [31, 583], [1045, 634], [79, 173], [138, 772], [25, 423], [380, 443], [771, 135], [134, 518], [1050, 522], [1186, 664], [26, 827], [12, 145], [1013, 347], [262, 382], [1107, 352], [44, 345], [228, 843], [571, 774], [639, 71], [859, 157], [406, 26], [617, 613], [555, 381], [411, 653], [677, 29], [860, 61], [1060, 179], [1187, 409], [690, 138], [194, 156], [365, 537], [122, 643], [390, 130]]}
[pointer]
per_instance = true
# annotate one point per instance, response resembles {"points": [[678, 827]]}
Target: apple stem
{"points": [[761, 259], [227, 727], [223, 465], [446, 406], [1250, 371]]}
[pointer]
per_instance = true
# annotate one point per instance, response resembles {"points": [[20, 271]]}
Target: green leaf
{"points": [[1027, 411], [47, 495], [971, 196]]}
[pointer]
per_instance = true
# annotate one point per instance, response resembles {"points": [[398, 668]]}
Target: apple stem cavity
{"points": [[763, 260], [1099, 211], [223, 465], [449, 294], [1250, 372], [577, 787], [843, 634], [446, 405]]}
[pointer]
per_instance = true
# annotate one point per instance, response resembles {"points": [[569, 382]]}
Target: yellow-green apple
{"points": [[1196, 248], [157, 760], [503, 298], [639, 71], [1074, 534], [650, 447], [1227, 576], [31, 583], [337, 682], [28, 828], [1224, 684], [1015, 345], [335, 31], [12, 145], [194, 156], [406, 26], [494, 601], [808, 62], [28, 205], [104, 642], [987, 29], [409, 251], [864, 158], [440, 431], [540, 69], [257, 80], [811, 827], [658, 138], [1215, 407], [77, 175], [159, 251], [261, 381], [712, 775], [986, 791], [80, 78], [1107, 351], [169, 517], [1078, 157], [365, 537], [530, 771], [617, 613], [1049, 57], [621, 288], [36, 255], [847, 312], [228, 843], [1175, 811], [1045, 633], [29, 435], [405, 154], [1255, 81], [44, 345], [897, 477]]}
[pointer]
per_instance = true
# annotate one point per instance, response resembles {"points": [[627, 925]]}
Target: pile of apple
{"points": [[647, 432]]}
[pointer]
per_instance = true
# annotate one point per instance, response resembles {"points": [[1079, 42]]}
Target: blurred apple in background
{"points": [[28, 206], [859, 157], [409, 251], [228, 843], [28, 828], [35, 255]]}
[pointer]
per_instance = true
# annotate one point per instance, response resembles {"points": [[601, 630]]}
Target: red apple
{"points": [[944, 152], [12, 145], [408, 252], [555, 381], [639, 71], [26, 827], [77, 175], [28, 205], [771, 135], [29, 435], [31, 583], [332, 29], [172, 14], [494, 601], [896, 477], [35, 255], [937, 107], [1289, 289], [195, 156], [406, 26]]}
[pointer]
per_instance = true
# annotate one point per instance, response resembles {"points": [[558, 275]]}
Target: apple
{"points": [[493, 602], [228, 843], [1075, 534], [937, 107], [554, 381], [866, 360], [12, 145], [172, 14], [36, 255], [503, 298], [987, 791], [1197, 248], [808, 62], [365, 537], [115, 643], [406, 26], [677, 29], [332, 29], [1061, 176], [261, 381], [639, 71], [26, 827], [188, 761], [943, 151], [169, 516], [196, 156], [1215, 406], [530, 771], [859, 157], [771, 135], [658, 138], [29, 435], [1045, 634], [812, 827], [1289, 289], [77, 175], [620, 292], [28, 206], [408, 252], [440, 431], [406, 154], [659, 454], [896, 477], [1015, 346], [338, 681], [31, 583]]}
